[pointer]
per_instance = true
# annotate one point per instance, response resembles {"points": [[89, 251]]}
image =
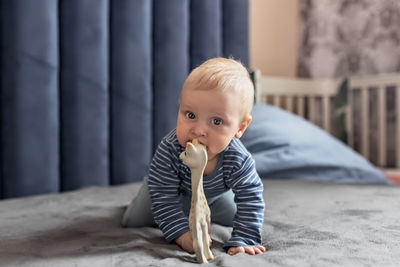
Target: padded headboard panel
{"points": [[88, 88]]}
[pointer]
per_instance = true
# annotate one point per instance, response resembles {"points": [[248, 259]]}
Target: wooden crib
{"points": [[372, 113]]}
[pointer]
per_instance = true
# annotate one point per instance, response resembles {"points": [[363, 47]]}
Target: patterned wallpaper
{"points": [[348, 37]]}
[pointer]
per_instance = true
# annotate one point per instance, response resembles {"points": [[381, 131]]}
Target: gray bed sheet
{"points": [[306, 224]]}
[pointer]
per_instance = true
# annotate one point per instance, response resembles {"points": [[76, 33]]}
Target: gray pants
{"points": [[138, 213]]}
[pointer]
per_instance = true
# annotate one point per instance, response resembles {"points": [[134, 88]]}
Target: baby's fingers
{"points": [[249, 250], [261, 248], [235, 250], [257, 250]]}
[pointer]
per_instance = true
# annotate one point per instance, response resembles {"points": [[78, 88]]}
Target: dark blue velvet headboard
{"points": [[88, 88]]}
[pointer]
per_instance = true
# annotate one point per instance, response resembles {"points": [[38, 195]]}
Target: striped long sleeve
{"points": [[249, 218], [164, 192], [168, 176]]}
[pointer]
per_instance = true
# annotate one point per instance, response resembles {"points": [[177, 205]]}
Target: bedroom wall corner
{"points": [[273, 28]]}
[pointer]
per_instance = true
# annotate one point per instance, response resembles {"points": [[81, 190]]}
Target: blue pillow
{"points": [[287, 146]]}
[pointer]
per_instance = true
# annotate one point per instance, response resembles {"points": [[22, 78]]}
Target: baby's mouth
{"points": [[191, 141]]}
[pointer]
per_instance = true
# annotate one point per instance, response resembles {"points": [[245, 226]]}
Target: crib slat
{"points": [[349, 120], [311, 104], [264, 99], [289, 103], [276, 100], [300, 106], [326, 107], [364, 123], [398, 125], [382, 126], [258, 89]]}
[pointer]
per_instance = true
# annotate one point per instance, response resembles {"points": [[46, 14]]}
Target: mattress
{"points": [[306, 223]]}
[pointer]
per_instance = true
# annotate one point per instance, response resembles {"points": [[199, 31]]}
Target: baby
{"points": [[214, 107]]}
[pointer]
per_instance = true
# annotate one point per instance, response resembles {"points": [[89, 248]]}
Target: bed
{"points": [[307, 223], [88, 88]]}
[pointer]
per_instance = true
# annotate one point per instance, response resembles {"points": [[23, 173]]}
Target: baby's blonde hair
{"points": [[223, 74]]}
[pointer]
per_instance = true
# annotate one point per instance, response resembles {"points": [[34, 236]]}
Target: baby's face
{"points": [[213, 117]]}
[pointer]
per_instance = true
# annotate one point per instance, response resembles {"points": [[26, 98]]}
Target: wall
{"points": [[342, 38], [273, 36]]}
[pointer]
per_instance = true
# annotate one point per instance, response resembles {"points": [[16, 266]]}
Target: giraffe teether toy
{"points": [[195, 157]]}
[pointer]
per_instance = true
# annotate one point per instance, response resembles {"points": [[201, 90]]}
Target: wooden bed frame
{"points": [[372, 115]]}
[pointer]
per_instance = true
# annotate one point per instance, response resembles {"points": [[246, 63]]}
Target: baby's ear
{"points": [[243, 126]]}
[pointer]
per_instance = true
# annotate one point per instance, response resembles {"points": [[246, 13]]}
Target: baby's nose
{"points": [[199, 130]]}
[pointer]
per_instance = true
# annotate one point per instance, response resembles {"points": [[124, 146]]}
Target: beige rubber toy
{"points": [[195, 157]]}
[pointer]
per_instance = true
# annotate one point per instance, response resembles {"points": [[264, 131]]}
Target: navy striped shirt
{"points": [[235, 169]]}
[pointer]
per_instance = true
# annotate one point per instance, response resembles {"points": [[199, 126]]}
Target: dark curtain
{"points": [[89, 88]]}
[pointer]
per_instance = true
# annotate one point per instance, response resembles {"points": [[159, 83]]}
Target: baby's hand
{"points": [[185, 241], [252, 250]]}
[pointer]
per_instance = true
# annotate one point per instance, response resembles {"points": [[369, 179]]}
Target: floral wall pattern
{"points": [[348, 37]]}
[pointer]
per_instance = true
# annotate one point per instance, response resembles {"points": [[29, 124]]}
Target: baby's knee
{"points": [[224, 218], [224, 210]]}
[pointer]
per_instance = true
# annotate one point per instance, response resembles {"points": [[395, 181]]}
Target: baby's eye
{"points": [[217, 121], [190, 115]]}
